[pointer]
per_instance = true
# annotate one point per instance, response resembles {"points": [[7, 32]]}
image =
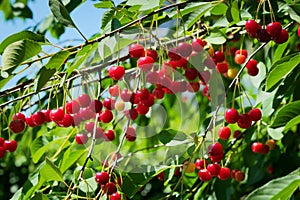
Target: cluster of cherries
{"points": [[7, 146], [109, 187], [258, 147], [273, 31]]}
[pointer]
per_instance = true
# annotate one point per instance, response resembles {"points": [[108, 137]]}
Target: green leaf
{"points": [[216, 38], [286, 113], [106, 18], [166, 136], [88, 185], [115, 24], [19, 51], [293, 122], [40, 196], [281, 69], [281, 188], [43, 77], [294, 15], [21, 36], [145, 4], [61, 13], [104, 4], [70, 157], [219, 9], [50, 172], [276, 133], [57, 60]]}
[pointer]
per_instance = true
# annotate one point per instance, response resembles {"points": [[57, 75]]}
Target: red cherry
{"points": [[253, 71], [81, 138], [194, 87], [239, 59], [86, 113], [252, 67], [148, 102], [95, 106], [263, 36], [198, 44], [256, 147], [244, 121], [115, 196], [89, 127], [209, 63], [145, 63], [265, 149], [130, 134], [84, 100], [274, 29], [243, 52], [222, 67], [131, 113], [17, 126], [29, 121], [109, 103], [10, 145], [116, 72], [184, 49], [152, 53], [136, 51], [231, 116], [72, 107], [142, 94], [237, 133], [127, 95], [102, 178], [76, 119], [114, 90], [67, 121], [239, 176], [215, 149], [224, 173], [204, 175], [47, 115], [110, 188], [224, 133], [99, 133], [252, 28], [214, 169], [282, 37], [2, 152], [255, 114], [1, 141], [106, 116], [173, 54], [216, 158], [201, 163], [110, 135], [191, 73], [20, 116], [141, 109], [161, 176], [158, 93], [38, 118], [298, 31], [57, 115], [219, 56]]}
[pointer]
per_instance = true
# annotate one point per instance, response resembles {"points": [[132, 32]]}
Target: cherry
{"points": [[191, 73], [86, 113], [209, 63], [84, 100], [10, 145], [263, 36], [38, 118], [109, 103], [161, 176], [184, 49], [244, 121], [282, 38], [222, 67], [237, 134], [204, 175], [256, 147], [219, 56], [224, 133], [89, 127], [76, 119], [239, 59], [114, 90], [265, 149], [193, 86], [173, 54], [215, 149], [1, 141], [72, 107], [270, 143], [148, 102], [145, 63], [102, 178], [131, 113], [29, 121], [201, 163], [116, 72], [130, 134], [252, 67], [238, 175], [81, 138], [158, 93], [214, 169], [57, 114], [231, 116], [142, 94], [152, 53], [298, 31], [47, 115], [188, 167], [253, 71], [127, 95], [2, 152], [255, 114], [95, 106], [20, 116], [110, 188], [224, 173], [274, 29], [106, 116], [252, 28], [115, 196], [216, 158], [198, 44], [136, 51], [243, 52], [204, 77], [141, 109], [17, 126], [67, 121], [110, 135]]}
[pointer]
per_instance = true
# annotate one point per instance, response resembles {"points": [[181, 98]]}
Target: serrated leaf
{"points": [[286, 113], [104, 4], [17, 52], [281, 188], [61, 13], [106, 18], [43, 77], [50, 172], [57, 60], [115, 24], [281, 69], [21, 36]]}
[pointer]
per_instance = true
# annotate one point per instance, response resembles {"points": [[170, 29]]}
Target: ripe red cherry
{"points": [[198, 44], [158, 93], [255, 114], [95, 106], [239, 176], [17, 126], [86, 113], [148, 102], [263, 36], [265, 149], [243, 52], [115, 196], [67, 121], [102, 178], [130, 134], [72, 107], [253, 71], [84, 100], [193, 86], [214, 169], [127, 95], [152, 53], [110, 135], [216, 158], [237, 133], [224, 173], [81, 138], [110, 188], [57, 114], [131, 113], [252, 67], [222, 67], [239, 59], [252, 28], [2, 152], [142, 94], [116, 72], [141, 109], [244, 121], [282, 37], [76, 119], [106, 116], [173, 54], [204, 175], [10, 145], [145, 63], [231, 116], [136, 51], [20, 116], [89, 127], [38, 118], [114, 90], [274, 29], [29, 121], [224, 133], [191, 73], [256, 147], [298, 31], [219, 56], [184, 49], [161, 176], [201, 163], [215, 149], [109, 103], [1, 141], [47, 115]]}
